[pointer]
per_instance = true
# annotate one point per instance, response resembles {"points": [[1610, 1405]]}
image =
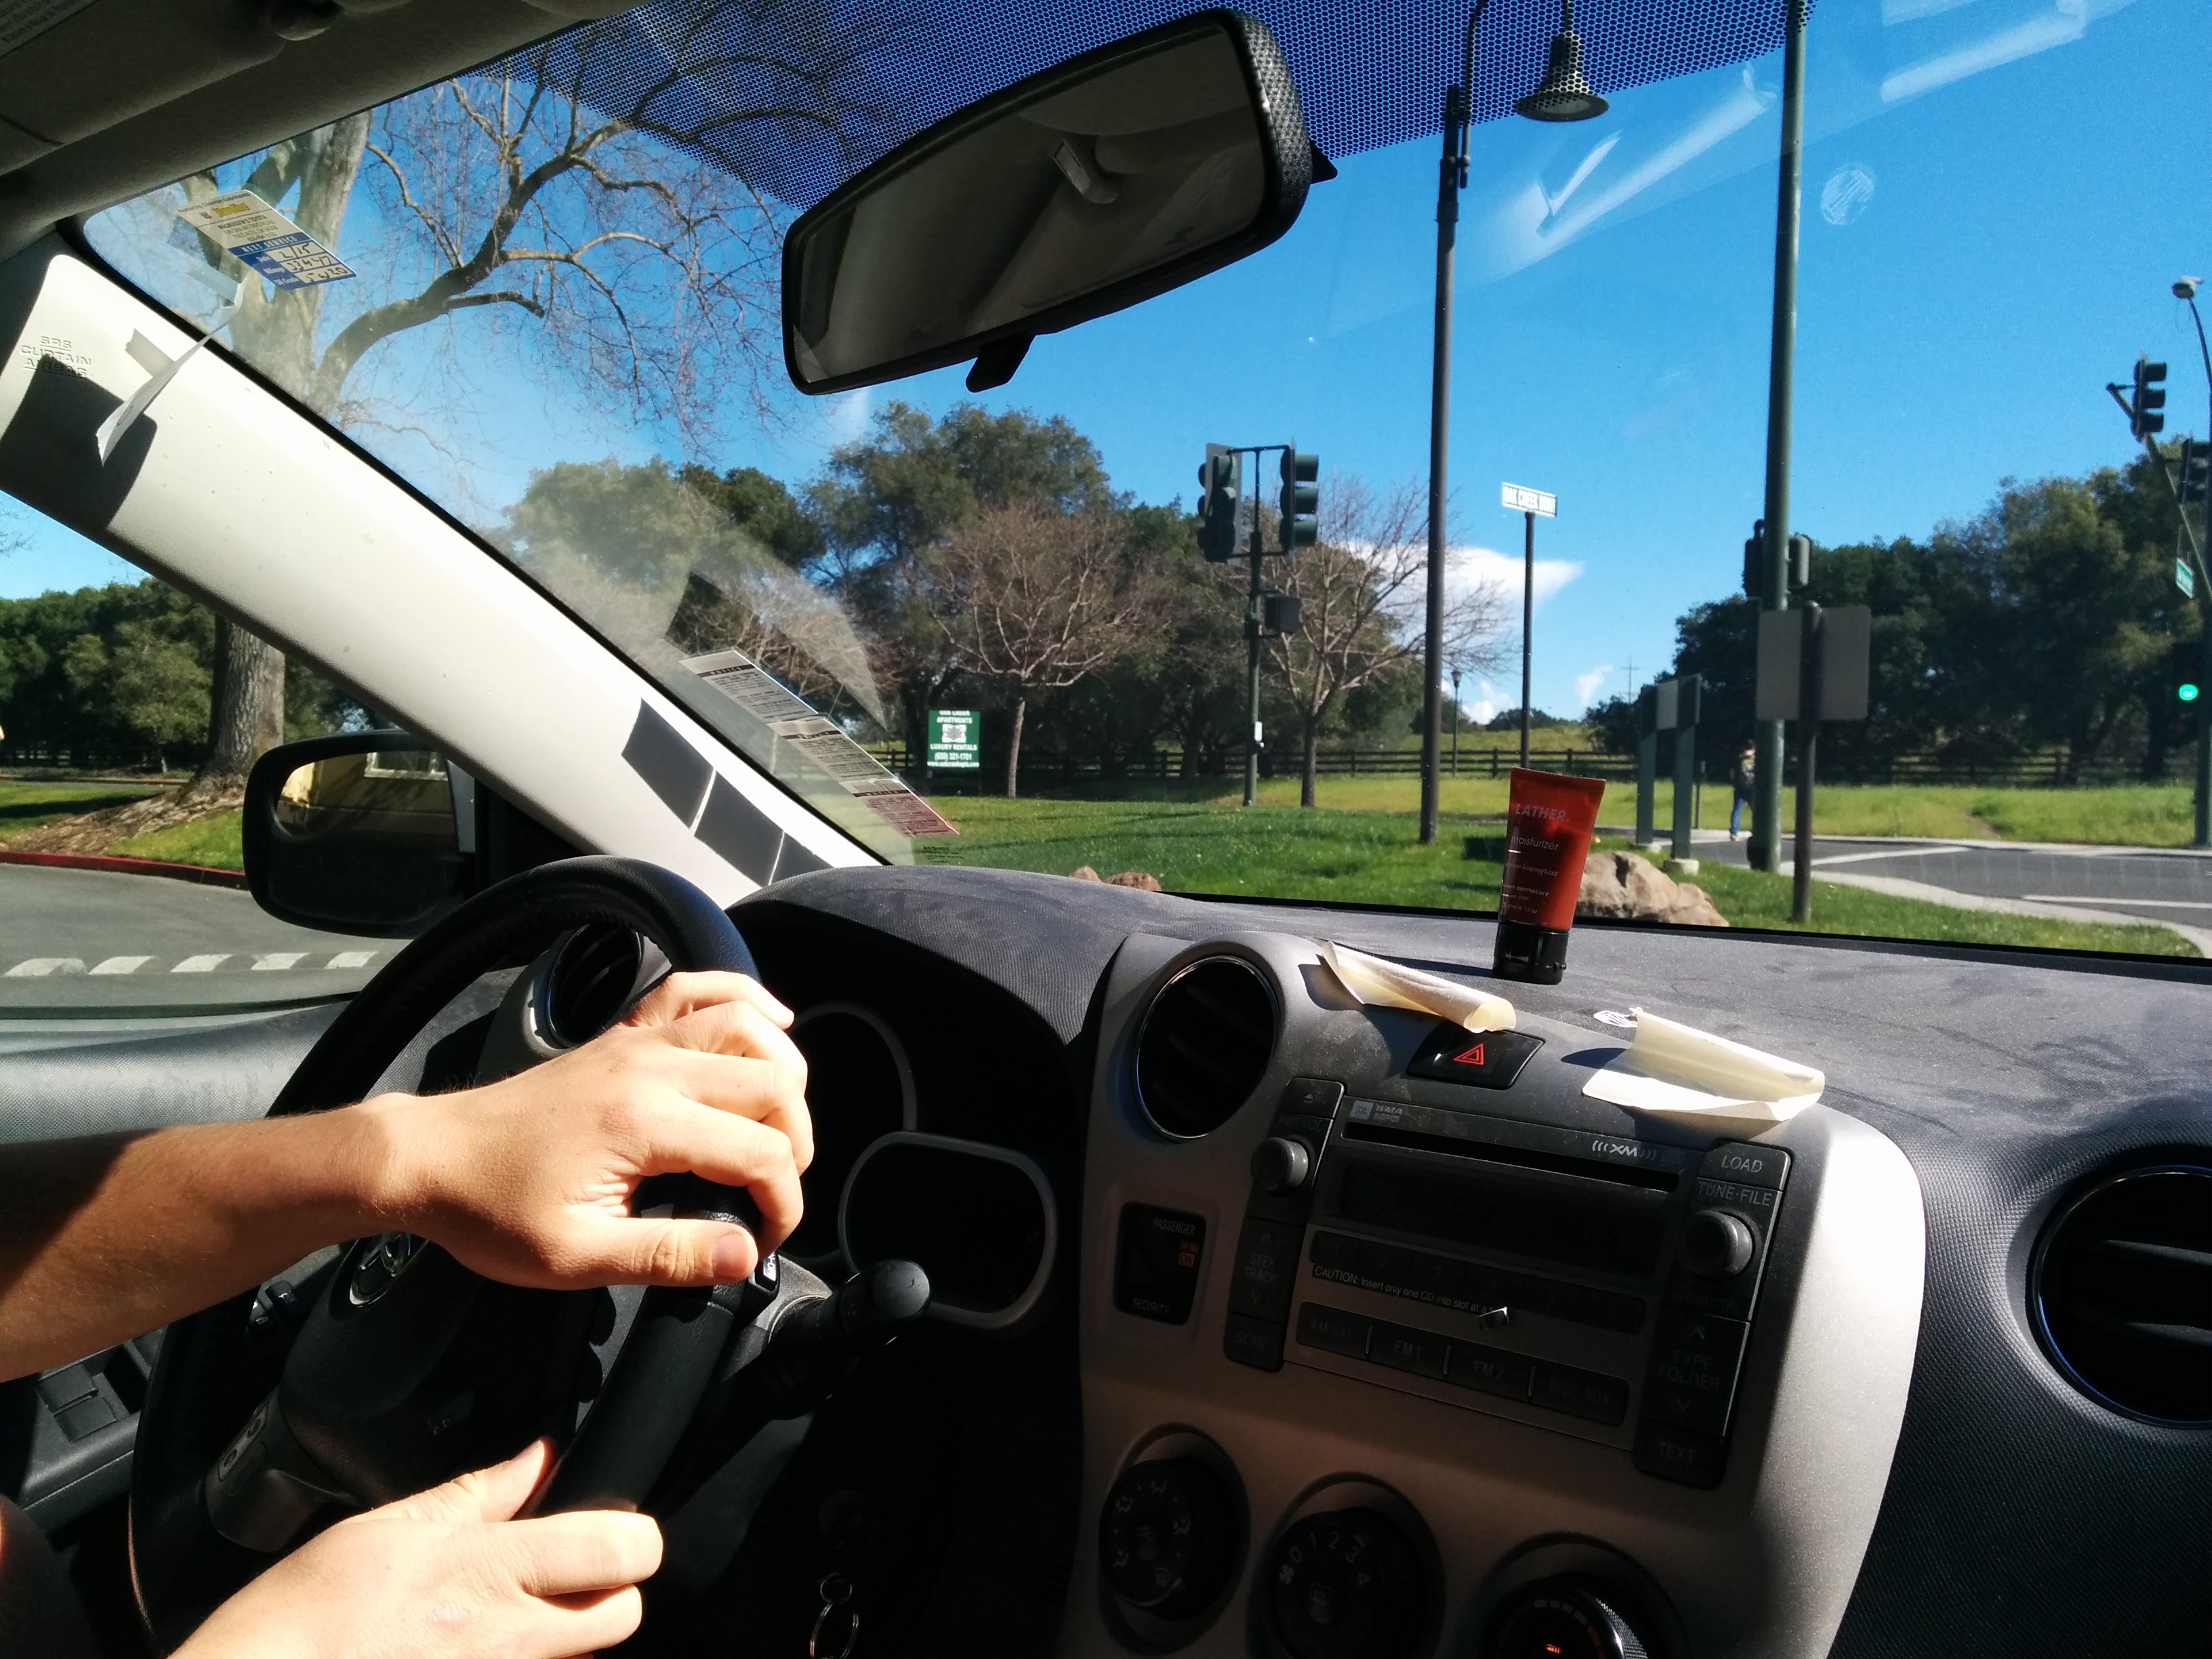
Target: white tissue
{"points": [[1679, 1070], [1371, 979]]}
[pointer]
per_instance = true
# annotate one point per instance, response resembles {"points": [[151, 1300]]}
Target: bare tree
{"points": [[1359, 588], [627, 241], [1037, 600]]}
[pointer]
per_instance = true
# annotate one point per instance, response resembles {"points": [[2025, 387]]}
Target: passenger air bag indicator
{"points": [[1487, 1059], [1156, 1262]]}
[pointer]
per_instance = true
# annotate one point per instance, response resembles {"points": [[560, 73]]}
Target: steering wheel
{"points": [[406, 1367]]}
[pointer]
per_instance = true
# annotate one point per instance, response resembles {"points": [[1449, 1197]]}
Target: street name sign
{"points": [[956, 740], [1522, 499], [2185, 579]]}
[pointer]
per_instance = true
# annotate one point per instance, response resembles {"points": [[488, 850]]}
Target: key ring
{"points": [[837, 1593]]}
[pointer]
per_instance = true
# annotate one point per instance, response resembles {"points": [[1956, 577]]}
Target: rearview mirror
{"points": [[358, 834], [1113, 176]]}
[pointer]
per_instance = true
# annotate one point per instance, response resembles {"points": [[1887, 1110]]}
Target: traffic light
{"points": [[1754, 562], [2183, 658], [1216, 506], [1278, 613], [1801, 563], [1300, 502], [2196, 463], [2150, 398]]}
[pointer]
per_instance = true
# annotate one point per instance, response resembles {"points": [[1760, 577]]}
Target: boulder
{"points": [[1136, 878], [1623, 885]]}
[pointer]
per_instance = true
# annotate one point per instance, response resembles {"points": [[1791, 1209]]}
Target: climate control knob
{"points": [[1563, 1618], [1716, 1244], [1167, 1542], [1347, 1585], [1280, 1165]]}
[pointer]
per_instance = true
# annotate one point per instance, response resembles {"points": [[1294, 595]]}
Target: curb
{"points": [[201, 873]]}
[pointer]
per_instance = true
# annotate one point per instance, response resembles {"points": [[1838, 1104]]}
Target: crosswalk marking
{"points": [[206, 962]]}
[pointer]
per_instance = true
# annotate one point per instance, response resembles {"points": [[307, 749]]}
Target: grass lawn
{"points": [[1374, 857], [2124, 815], [212, 841], [28, 806]]}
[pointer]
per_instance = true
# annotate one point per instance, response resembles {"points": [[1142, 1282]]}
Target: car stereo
{"points": [[1599, 1284]]}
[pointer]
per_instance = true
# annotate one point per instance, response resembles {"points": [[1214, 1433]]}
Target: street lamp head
{"points": [[2185, 287], [1564, 94]]}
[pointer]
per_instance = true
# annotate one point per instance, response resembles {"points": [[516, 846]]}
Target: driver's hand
{"points": [[447, 1574], [528, 1179]]}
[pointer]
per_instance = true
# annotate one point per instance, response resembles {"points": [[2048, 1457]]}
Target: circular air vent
{"points": [[2122, 1290], [586, 985], [1205, 1046]]}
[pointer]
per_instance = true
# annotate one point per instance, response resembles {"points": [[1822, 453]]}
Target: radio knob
{"points": [[1280, 1165], [1564, 1619], [1716, 1244]]}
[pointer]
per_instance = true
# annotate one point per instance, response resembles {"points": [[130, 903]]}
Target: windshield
{"points": [[984, 628]]}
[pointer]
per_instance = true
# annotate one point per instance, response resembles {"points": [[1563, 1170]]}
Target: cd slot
{"points": [[1519, 1158]]}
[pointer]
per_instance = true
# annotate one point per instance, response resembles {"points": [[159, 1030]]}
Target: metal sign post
{"points": [[1813, 667], [1677, 709], [1646, 761], [1529, 503]]}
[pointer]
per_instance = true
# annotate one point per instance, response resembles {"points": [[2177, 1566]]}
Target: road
{"points": [[2094, 883], [75, 940]]}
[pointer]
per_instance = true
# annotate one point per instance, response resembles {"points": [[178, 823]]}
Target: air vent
{"points": [[587, 985], [1206, 1044], [2123, 1293]]}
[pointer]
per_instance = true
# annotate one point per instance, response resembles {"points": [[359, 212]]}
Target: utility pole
{"points": [[1765, 852]]}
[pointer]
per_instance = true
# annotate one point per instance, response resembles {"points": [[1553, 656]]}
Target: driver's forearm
{"points": [[104, 1237]]}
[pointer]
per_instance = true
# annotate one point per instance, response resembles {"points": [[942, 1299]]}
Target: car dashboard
{"points": [[1390, 1343], [1266, 1323]]}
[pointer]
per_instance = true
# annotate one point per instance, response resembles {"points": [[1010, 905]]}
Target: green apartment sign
{"points": [[954, 739]]}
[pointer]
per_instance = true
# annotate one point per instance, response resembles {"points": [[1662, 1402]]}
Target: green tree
{"points": [[1036, 599], [886, 500]]}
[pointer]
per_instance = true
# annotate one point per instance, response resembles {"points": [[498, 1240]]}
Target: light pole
{"points": [[1562, 95], [2185, 289], [1765, 852]]}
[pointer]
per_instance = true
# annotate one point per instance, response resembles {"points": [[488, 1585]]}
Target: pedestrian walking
{"points": [[1743, 778]]}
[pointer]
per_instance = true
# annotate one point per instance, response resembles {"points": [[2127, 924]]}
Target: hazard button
{"points": [[1488, 1059]]}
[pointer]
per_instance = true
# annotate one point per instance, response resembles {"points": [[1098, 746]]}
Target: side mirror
{"points": [[358, 833], [1080, 190]]}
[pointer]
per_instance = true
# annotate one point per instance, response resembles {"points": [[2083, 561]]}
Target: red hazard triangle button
{"points": [[1487, 1059]]}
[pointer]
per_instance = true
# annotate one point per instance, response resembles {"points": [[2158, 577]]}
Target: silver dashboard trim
{"points": [[1763, 1564]]}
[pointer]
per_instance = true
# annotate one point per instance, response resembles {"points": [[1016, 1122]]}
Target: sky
{"points": [[1998, 195]]}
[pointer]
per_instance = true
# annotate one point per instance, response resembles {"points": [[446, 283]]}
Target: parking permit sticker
{"points": [[249, 229]]}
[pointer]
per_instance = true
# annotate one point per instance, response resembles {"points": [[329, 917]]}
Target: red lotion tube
{"points": [[1548, 821]]}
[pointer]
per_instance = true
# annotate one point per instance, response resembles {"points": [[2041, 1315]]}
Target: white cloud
{"points": [[1586, 685], [1472, 568]]}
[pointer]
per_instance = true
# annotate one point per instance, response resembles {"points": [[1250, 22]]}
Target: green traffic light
{"points": [[2187, 692]]}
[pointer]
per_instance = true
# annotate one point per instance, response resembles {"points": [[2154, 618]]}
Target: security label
{"points": [[249, 229]]}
